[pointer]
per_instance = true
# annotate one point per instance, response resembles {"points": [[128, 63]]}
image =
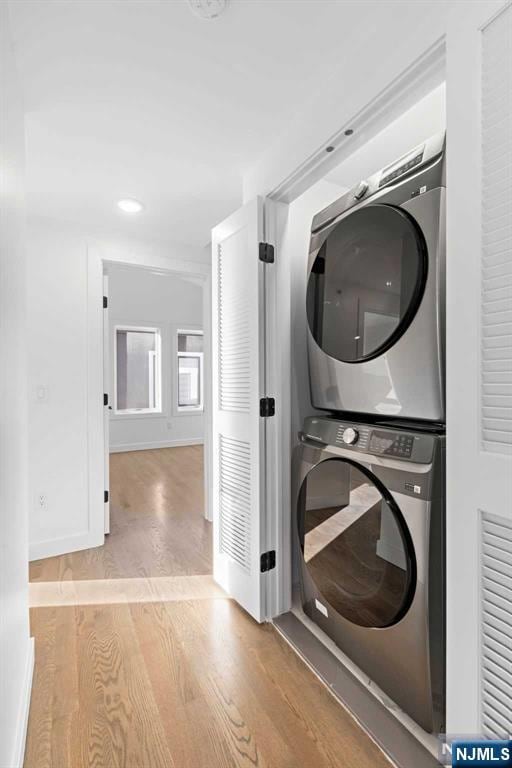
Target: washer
{"points": [[376, 293], [369, 554]]}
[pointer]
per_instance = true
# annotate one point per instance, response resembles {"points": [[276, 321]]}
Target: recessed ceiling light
{"points": [[130, 206]]}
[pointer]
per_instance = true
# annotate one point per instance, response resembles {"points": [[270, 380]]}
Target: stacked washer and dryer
{"points": [[369, 475]]}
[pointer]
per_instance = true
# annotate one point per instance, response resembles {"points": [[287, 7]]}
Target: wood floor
{"points": [[157, 521], [163, 670], [195, 684]]}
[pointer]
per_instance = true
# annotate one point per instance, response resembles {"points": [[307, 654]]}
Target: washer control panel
{"points": [[391, 443], [395, 443], [345, 434], [350, 436]]}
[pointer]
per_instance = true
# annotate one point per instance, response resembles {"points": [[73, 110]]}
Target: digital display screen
{"points": [[391, 444], [401, 166]]}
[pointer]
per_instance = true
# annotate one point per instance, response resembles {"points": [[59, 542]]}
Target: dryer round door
{"points": [[355, 544], [366, 283]]}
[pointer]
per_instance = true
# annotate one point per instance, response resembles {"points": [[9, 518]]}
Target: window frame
{"points": [[131, 412], [188, 409]]}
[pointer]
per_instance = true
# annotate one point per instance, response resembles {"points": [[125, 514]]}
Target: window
{"points": [[190, 371], [138, 370]]}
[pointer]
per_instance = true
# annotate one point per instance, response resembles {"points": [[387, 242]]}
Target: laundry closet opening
{"points": [[365, 248], [158, 540]]}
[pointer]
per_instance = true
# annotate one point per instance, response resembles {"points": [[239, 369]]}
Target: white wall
{"points": [[142, 297], [61, 353], [16, 651]]}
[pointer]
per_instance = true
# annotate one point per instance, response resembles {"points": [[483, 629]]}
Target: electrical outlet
{"points": [[42, 501], [42, 393], [169, 425]]}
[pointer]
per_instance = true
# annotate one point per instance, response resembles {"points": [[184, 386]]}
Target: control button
{"points": [[361, 190], [350, 436]]}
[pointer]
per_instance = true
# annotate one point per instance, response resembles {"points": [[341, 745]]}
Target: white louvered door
{"points": [[496, 378], [479, 370], [238, 384], [496, 609]]}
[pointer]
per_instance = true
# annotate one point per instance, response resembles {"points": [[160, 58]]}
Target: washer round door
{"points": [[355, 544], [366, 283]]}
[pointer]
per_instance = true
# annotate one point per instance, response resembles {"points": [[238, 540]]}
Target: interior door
{"points": [[479, 373], [107, 406], [241, 435]]}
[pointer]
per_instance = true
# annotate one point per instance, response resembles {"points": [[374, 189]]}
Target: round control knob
{"points": [[361, 190], [350, 436]]}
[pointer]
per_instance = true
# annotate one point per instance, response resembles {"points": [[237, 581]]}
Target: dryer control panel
{"points": [[399, 444]]}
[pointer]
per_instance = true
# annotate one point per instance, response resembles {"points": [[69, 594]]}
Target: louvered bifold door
{"points": [[495, 495], [496, 611], [478, 364], [238, 383]]}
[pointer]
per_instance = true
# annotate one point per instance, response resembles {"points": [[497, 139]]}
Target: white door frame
{"points": [[106, 410], [98, 258]]}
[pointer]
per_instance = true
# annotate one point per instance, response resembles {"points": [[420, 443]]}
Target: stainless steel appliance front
{"points": [[376, 292], [369, 554]]}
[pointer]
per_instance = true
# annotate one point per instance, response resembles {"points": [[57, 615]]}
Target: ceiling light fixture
{"points": [[130, 206], [207, 9]]}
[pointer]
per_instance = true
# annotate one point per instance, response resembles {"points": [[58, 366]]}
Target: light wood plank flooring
{"points": [[194, 684], [142, 662], [157, 521]]}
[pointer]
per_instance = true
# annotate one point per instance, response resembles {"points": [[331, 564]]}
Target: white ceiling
{"points": [[140, 98]]}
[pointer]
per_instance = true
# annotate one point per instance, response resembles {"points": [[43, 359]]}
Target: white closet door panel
{"points": [[479, 366], [496, 641], [496, 308], [238, 349]]}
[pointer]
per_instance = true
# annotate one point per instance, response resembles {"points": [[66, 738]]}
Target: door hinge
{"points": [[268, 561], [266, 253], [105, 302], [267, 406], [105, 496], [105, 398]]}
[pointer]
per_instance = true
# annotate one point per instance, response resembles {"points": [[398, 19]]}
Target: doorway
{"points": [[155, 382], [155, 330]]}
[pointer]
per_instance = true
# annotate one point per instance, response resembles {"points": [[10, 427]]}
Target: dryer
{"points": [[369, 554], [376, 293]]}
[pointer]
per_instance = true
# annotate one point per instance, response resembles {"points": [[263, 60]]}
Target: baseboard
{"points": [[22, 721], [126, 447], [38, 550]]}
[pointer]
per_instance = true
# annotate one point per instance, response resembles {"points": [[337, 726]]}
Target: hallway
{"points": [[142, 661], [157, 522], [195, 684]]}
